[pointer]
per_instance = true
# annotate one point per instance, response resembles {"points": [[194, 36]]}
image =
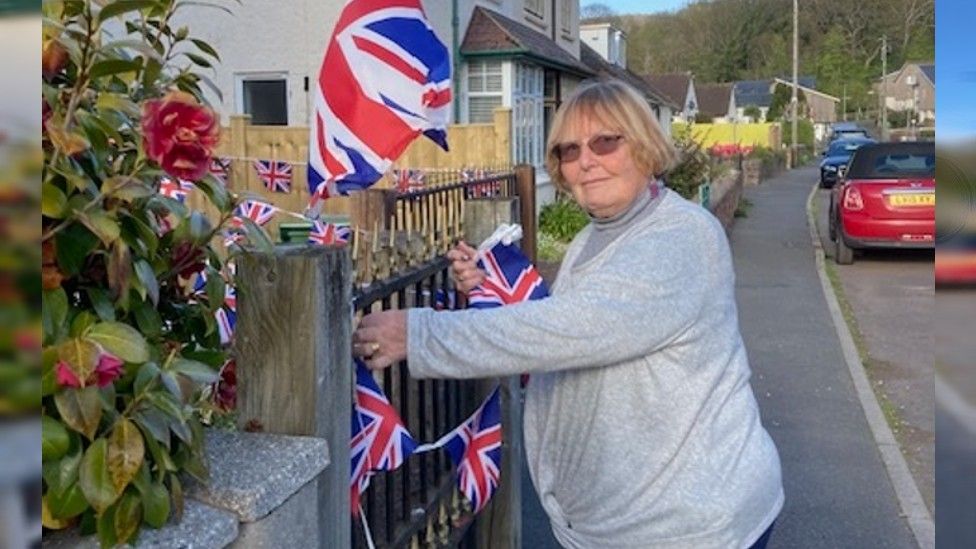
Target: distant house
{"points": [[606, 58], [821, 107], [680, 89], [910, 89], [759, 94], [717, 102]]}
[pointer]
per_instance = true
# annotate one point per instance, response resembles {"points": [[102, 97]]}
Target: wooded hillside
{"points": [[728, 40]]}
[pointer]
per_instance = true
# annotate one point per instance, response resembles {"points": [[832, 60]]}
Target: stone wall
{"points": [[262, 493], [726, 192]]}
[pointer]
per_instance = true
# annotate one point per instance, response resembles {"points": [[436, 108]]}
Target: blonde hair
{"points": [[622, 109]]}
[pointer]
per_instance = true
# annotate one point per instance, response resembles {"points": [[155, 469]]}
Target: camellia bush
{"points": [[130, 352]]}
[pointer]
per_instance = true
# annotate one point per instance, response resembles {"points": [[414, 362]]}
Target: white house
{"points": [[520, 54]]}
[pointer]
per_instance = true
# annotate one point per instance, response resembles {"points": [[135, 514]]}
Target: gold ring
{"points": [[373, 347]]}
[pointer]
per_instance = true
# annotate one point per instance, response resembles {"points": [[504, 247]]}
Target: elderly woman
{"points": [[641, 428]]}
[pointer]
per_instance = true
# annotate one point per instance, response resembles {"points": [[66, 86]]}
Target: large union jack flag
{"points": [[175, 188], [511, 278], [385, 79], [476, 449], [275, 174], [328, 233], [389, 443], [363, 432]]}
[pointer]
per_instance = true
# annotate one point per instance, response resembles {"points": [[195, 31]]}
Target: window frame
{"points": [[501, 93], [241, 77]]}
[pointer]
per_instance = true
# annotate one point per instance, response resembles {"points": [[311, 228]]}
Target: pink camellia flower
{"points": [[65, 376], [109, 367], [179, 134]]}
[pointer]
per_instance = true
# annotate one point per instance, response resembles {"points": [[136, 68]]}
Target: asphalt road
{"points": [[891, 293]]}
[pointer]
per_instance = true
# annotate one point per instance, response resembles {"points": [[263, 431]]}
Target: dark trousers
{"points": [[763, 539]]}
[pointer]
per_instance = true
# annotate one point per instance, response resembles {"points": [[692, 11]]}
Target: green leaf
{"points": [[196, 371], [169, 382], [68, 504], [81, 357], [216, 289], [199, 227], [101, 303], [54, 313], [167, 404], [74, 244], [128, 515], [199, 60], [146, 374], [119, 272], [81, 323], [125, 453], [126, 188], [121, 340], [176, 491], [145, 274], [148, 320], [80, 409], [61, 474], [49, 380], [155, 424], [257, 237], [205, 48], [118, 103], [105, 527], [94, 477], [155, 501], [53, 201], [54, 439], [109, 67], [120, 7], [102, 224], [215, 191], [137, 230], [48, 520]]}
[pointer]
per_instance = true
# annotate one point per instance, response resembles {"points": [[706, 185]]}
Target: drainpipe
{"points": [[456, 58]]}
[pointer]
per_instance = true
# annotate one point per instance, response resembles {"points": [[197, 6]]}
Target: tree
{"points": [[779, 107]]}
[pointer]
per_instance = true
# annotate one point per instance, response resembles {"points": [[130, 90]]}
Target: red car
{"points": [[886, 200], [955, 260]]}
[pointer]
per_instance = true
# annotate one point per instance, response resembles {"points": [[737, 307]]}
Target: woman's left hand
{"points": [[381, 339]]}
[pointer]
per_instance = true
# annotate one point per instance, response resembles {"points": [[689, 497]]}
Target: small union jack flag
{"points": [[220, 168], [408, 181], [511, 278], [275, 174], [486, 189], [328, 233], [445, 300], [257, 211], [175, 189], [363, 432], [227, 315], [475, 448], [392, 442]]}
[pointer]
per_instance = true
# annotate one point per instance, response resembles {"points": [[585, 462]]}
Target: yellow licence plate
{"points": [[921, 199]]}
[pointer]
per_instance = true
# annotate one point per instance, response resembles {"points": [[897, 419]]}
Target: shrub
{"points": [[130, 349], [692, 169], [562, 219]]}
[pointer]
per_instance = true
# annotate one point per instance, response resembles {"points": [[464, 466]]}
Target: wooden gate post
{"points": [[525, 189], [293, 347]]}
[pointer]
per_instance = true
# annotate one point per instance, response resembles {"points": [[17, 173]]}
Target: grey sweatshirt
{"points": [[641, 428]]}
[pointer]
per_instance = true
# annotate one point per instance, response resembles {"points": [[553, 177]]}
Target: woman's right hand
{"points": [[464, 267]]}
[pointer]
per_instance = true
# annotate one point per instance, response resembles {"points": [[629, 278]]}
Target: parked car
{"points": [[955, 260], [884, 199], [847, 130], [838, 154]]}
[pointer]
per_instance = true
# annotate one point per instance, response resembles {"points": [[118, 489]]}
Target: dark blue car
{"points": [[838, 154]]}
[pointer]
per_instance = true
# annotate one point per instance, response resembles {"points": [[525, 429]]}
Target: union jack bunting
{"points": [[257, 211], [362, 435], [275, 174], [328, 233], [176, 189], [390, 443], [385, 79], [220, 168], [475, 448], [227, 315], [408, 181], [511, 278], [480, 190]]}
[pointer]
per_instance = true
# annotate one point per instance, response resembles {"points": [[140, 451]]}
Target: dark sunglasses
{"points": [[599, 144]]}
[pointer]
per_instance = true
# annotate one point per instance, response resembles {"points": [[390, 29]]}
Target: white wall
{"points": [[20, 101]]}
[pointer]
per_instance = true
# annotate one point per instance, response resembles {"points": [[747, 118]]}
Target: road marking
{"points": [[952, 402], [909, 498]]}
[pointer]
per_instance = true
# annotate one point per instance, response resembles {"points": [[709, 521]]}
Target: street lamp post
{"points": [[794, 102]]}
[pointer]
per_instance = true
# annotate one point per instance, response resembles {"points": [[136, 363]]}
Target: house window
{"points": [[536, 7], [550, 93], [527, 115], [566, 16], [484, 86], [265, 98]]}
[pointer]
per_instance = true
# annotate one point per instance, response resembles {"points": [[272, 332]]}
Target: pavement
{"points": [[839, 492]]}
